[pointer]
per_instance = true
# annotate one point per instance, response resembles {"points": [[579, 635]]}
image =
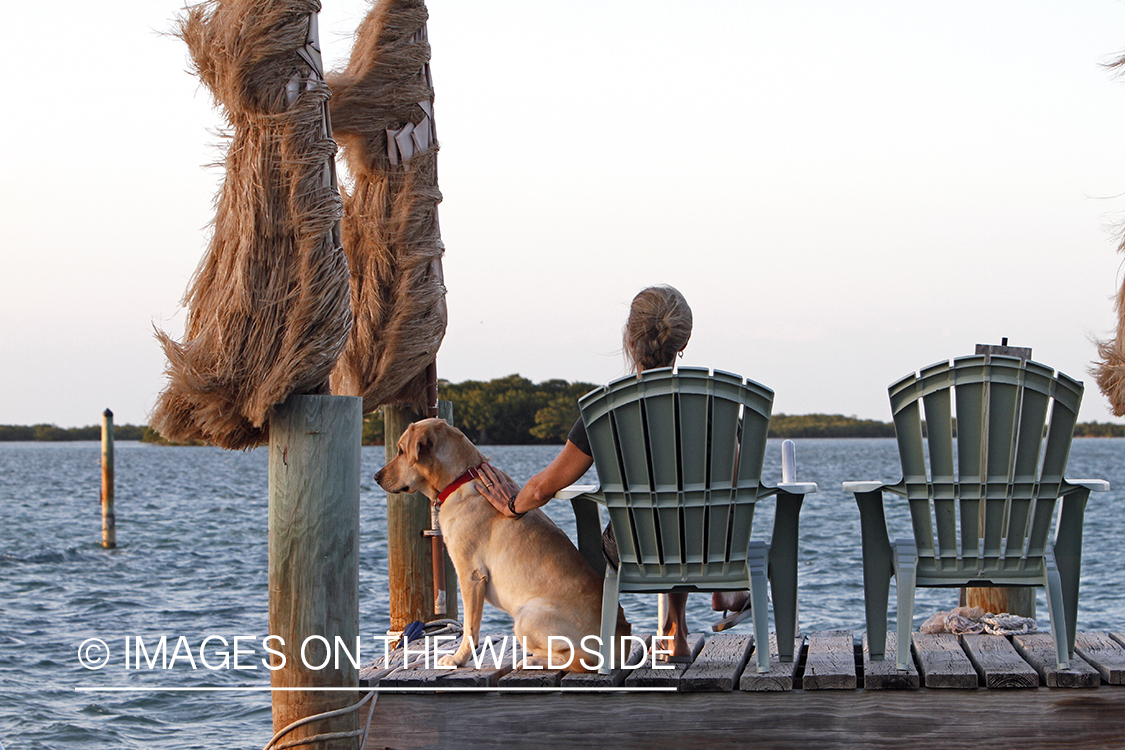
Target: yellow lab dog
{"points": [[525, 566]]}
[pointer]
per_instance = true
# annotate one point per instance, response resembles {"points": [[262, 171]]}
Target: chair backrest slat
{"points": [[970, 406], [1067, 397], [1035, 402], [908, 429], [939, 437]]}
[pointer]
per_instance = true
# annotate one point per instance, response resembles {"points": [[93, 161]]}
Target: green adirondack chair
{"points": [[983, 442], [679, 457]]}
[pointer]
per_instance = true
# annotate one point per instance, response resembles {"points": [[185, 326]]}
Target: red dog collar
{"points": [[469, 475]]}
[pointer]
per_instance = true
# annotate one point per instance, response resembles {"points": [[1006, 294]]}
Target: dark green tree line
{"points": [[505, 411], [53, 433]]}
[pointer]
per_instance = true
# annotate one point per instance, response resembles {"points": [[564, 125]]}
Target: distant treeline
{"points": [[515, 411], [504, 411], [51, 433], [1099, 429], [827, 426]]}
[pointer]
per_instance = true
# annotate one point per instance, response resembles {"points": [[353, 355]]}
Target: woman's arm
{"points": [[566, 469]]}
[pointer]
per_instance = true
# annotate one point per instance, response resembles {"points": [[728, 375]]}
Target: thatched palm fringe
{"points": [[269, 304], [391, 232], [1109, 372]]}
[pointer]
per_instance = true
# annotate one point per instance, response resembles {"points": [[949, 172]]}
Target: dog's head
{"points": [[431, 454]]}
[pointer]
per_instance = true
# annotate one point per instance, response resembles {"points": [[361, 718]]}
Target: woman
{"points": [[657, 330]]}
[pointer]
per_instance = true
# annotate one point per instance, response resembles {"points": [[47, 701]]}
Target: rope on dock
{"points": [[440, 627], [372, 697]]}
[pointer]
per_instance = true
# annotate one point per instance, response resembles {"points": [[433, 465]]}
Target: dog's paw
{"points": [[448, 661], [531, 661]]}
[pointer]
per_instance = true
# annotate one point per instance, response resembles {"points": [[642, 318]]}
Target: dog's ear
{"points": [[420, 445]]}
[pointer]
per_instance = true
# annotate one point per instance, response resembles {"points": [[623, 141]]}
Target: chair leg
{"points": [[1068, 558], [611, 594], [1057, 607], [756, 558], [878, 567], [588, 523], [783, 572], [906, 573]]}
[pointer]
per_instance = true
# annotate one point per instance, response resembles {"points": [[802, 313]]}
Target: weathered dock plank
{"points": [[997, 662], [370, 674], [494, 654], [884, 674], [412, 678], [719, 664], [532, 678], [780, 677], [615, 678], [830, 664], [943, 663], [1034, 719], [1103, 654], [1038, 650], [669, 674]]}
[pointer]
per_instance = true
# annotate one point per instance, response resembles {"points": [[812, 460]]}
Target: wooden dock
{"points": [[968, 691]]}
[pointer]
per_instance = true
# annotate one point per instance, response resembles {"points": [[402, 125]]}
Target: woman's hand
{"points": [[498, 489]]}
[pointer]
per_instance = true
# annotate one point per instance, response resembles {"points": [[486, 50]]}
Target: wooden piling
{"points": [[1016, 600], [314, 470], [109, 518], [409, 554]]}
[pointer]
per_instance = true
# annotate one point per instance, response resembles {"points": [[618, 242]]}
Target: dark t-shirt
{"points": [[577, 435]]}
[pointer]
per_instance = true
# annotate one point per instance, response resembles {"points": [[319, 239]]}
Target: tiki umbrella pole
{"points": [[417, 568], [437, 546], [314, 444], [383, 118]]}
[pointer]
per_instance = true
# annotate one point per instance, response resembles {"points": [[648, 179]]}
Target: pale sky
{"points": [[844, 191]]}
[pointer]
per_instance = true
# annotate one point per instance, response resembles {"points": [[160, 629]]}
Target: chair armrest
{"points": [[1094, 485], [798, 488], [574, 490], [863, 486]]}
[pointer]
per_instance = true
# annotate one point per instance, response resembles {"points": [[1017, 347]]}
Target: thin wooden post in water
{"points": [[314, 562], [409, 553], [109, 518]]}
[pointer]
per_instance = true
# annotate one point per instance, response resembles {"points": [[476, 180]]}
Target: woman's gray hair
{"points": [[658, 327]]}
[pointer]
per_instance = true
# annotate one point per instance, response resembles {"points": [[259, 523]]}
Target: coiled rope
{"points": [[414, 631], [371, 697]]}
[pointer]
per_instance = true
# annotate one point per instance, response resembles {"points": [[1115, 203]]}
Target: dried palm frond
{"points": [[268, 306], [1109, 372], [382, 115]]}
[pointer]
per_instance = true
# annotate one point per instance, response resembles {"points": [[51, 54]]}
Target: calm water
{"points": [[192, 562]]}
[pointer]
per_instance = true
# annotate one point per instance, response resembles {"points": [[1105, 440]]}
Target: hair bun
{"points": [[658, 327]]}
